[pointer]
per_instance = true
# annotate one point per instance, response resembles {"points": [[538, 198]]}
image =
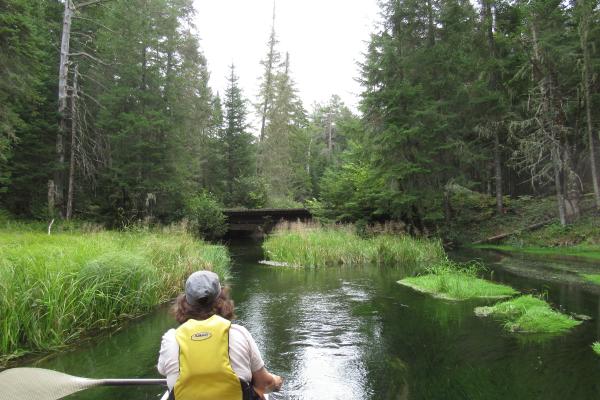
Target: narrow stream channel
{"points": [[354, 333]]}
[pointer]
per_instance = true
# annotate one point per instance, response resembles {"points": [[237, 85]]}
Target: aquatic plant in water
{"points": [[596, 347], [316, 246], [528, 314], [452, 281], [54, 289]]}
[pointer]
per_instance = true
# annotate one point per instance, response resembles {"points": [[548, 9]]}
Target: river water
{"points": [[354, 333]]}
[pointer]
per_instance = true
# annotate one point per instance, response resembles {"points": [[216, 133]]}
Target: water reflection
{"points": [[130, 353]]}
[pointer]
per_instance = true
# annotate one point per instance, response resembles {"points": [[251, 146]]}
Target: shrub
{"points": [[250, 192], [205, 216]]}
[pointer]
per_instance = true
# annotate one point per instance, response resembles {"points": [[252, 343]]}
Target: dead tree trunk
{"points": [[498, 172], [487, 6], [51, 197], [549, 124], [329, 135], [74, 129], [558, 182], [63, 73]]}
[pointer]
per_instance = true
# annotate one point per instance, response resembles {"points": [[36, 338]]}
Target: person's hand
{"points": [[277, 382]]}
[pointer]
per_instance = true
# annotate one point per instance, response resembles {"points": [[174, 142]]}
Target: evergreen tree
{"points": [[283, 147], [267, 85], [28, 64], [236, 141]]}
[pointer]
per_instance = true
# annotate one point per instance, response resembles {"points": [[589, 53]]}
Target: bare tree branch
{"points": [[83, 53], [94, 21], [92, 99], [87, 3]]}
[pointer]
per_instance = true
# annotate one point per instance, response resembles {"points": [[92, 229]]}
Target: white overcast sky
{"points": [[325, 39]]}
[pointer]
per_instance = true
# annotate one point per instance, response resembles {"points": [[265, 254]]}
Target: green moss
{"points": [[529, 314], [453, 282], [53, 289], [596, 347], [312, 246]]}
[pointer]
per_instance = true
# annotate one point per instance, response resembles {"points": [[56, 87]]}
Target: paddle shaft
{"points": [[131, 382]]}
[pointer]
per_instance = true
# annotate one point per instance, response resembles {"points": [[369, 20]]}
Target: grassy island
{"points": [[316, 246], [596, 348], [54, 289], [454, 282], [529, 314], [593, 278]]}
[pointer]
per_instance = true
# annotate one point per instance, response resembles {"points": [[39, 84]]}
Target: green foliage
{"points": [[250, 192], [28, 62], [4, 216], [206, 216], [351, 190], [315, 246], [54, 289], [452, 281], [282, 202], [529, 314]]}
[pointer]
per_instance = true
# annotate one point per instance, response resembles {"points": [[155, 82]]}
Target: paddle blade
{"points": [[40, 384]]}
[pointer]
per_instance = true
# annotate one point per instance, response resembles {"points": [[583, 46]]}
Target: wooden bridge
{"points": [[262, 220]]}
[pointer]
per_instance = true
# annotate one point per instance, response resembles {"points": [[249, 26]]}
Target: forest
{"points": [[107, 115]]}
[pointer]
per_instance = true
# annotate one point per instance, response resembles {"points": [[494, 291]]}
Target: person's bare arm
{"points": [[265, 381]]}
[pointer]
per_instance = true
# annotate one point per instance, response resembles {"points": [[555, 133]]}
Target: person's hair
{"points": [[200, 310]]}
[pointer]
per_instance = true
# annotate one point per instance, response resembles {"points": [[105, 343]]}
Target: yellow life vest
{"points": [[204, 368]]}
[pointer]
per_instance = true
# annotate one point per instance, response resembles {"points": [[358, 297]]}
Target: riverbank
{"points": [[309, 245], [578, 252], [57, 288], [527, 225], [474, 219]]}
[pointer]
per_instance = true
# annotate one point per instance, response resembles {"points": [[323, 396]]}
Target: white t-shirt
{"points": [[244, 355]]}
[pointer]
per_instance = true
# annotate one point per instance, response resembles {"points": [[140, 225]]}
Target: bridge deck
{"points": [[267, 212], [262, 218]]}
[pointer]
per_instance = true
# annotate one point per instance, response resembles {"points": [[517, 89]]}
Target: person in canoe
{"points": [[208, 356]]}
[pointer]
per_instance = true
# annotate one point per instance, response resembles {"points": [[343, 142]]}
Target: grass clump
{"points": [[54, 289], [452, 281], [316, 246], [596, 347], [529, 314]]}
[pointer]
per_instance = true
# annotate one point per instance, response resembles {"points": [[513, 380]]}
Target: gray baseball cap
{"points": [[202, 285]]}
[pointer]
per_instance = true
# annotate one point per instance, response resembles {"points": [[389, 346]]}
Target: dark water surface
{"points": [[354, 333]]}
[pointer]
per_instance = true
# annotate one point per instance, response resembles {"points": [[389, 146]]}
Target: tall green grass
{"points": [[529, 314], [315, 246], [53, 289], [452, 281]]}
